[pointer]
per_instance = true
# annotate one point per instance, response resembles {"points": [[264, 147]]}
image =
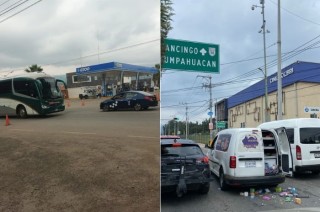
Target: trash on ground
{"points": [[288, 195], [297, 201], [288, 199], [266, 197], [302, 196]]}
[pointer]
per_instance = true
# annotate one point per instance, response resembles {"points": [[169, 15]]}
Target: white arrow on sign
{"points": [[203, 51]]}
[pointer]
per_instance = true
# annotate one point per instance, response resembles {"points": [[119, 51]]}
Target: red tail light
{"points": [[176, 145], [298, 153], [205, 160], [149, 98], [233, 162]]}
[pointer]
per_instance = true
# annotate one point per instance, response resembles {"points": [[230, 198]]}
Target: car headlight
{"points": [[44, 106]]}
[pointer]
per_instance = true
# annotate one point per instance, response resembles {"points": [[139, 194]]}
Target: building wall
{"points": [[295, 98], [95, 79]]}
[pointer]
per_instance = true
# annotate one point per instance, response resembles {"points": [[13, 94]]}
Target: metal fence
{"points": [[199, 138]]}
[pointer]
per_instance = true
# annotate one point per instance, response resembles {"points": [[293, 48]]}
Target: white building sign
{"points": [[308, 109]]}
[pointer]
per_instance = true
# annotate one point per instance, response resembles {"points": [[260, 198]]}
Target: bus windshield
{"points": [[49, 88]]}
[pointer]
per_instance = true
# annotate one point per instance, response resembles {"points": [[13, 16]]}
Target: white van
{"points": [[304, 138], [249, 157]]}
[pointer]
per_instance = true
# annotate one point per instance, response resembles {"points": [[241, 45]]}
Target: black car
{"points": [[184, 167], [138, 100]]}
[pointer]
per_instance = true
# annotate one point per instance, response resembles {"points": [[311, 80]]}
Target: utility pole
{"points": [[187, 131], [174, 127], [266, 109], [210, 106], [279, 117]]}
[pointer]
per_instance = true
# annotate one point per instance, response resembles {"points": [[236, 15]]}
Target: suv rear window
{"points": [[184, 150], [310, 135]]}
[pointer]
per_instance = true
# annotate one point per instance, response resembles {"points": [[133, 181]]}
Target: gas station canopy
{"points": [[115, 66]]}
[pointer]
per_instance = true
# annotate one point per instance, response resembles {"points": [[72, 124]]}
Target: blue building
{"points": [[300, 94]]}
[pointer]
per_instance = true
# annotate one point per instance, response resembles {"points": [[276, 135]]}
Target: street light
{"points": [[263, 27]]}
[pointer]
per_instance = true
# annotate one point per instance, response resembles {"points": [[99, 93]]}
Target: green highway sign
{"points": [[191, 56], [221, 124]]}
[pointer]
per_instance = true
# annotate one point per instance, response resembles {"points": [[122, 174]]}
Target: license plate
{"points": [[250, 164], [317, 155]]}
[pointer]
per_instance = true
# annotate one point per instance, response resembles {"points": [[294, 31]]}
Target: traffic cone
{"points": [[68, 103], [82, 102], [7, 121]]}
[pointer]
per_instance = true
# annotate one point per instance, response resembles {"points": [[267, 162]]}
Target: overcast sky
{"points": [[234, 26], [60, 35]]}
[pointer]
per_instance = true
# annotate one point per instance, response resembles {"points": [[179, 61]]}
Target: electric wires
{"points": [[14, 9]]}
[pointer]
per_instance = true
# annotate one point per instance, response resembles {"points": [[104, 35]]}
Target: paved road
{"points": [[232, 201], [88, 119], [81, 160]]}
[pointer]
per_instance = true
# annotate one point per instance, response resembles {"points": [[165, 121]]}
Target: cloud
{"points": [[56, 33]]}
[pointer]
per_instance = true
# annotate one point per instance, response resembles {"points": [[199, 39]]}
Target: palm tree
{"points": [[34, 68], [166, 14]]}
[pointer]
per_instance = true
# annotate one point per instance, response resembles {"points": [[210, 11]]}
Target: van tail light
{"points": [[298, 153], [204, 160], [233, 162]]}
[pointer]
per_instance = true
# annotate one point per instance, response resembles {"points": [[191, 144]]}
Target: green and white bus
{"points": [[30, 94]]}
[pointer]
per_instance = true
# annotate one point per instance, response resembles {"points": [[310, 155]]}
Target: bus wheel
{"points": [[22, 112]]}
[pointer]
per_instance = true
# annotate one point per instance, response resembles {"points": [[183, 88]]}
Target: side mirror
{"points": [[207, 146]]}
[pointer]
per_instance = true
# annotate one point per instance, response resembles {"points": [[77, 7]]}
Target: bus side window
{"points": [[5, 87], [32, 90]]}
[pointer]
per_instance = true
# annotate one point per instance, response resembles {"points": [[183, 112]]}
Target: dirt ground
{"points": [[49, 171]]}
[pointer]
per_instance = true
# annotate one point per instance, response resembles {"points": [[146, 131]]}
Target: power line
{"points": [[11, 7], [4, 2], [294, 14], [180, 104], [3, 20], [215, 85], [106, 52]]}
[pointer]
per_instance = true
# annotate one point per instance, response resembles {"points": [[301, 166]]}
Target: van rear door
{"points": [[284, 151], [249, 152]]}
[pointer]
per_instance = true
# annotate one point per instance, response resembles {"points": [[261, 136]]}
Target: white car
{"points": [[249, 157], [304, 138]]}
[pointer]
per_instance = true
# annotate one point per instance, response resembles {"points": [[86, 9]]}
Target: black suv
{"points": [[184, 167]]}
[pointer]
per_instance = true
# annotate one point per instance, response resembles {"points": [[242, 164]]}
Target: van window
{"points": [[310, 135], [223, 142], [211, 144], [290, 134]]}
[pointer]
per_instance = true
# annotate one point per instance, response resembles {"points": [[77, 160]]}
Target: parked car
{"points": [[138, 100], [184, 167], [304, 138], [250, 157], [87, 92]]}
